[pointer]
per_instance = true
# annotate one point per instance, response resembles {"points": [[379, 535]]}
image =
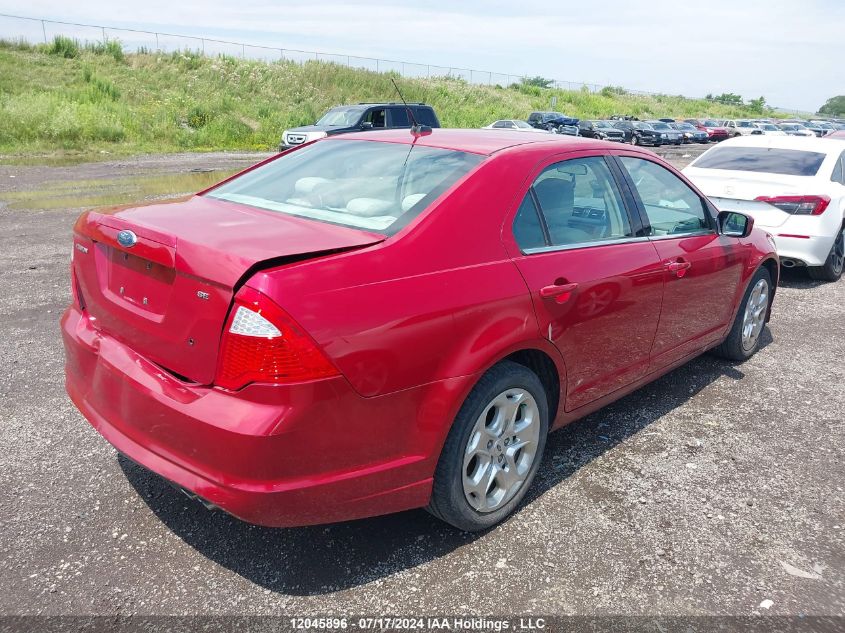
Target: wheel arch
{"points": [[546, 370], [773, 268]]}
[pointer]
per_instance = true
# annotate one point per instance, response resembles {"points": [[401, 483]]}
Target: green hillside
{"points": [[65, 97]]}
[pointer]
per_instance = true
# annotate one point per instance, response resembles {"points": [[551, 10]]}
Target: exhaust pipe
{"points": [[791, 263], [194, 497]]}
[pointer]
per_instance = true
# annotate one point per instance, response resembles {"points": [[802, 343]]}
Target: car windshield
{"points": [[744, 124], [710, 123], [341, 117], [642, 126], [601, 123], [767, 126], [771, 160], [360, 184], [659, 125], [788, 126], [522, 124]]}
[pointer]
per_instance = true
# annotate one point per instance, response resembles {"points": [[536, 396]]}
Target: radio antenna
{"points": [[416, 129]]}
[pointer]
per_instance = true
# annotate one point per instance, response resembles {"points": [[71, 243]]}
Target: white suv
{"points": [[741, 127], [793, 187]]}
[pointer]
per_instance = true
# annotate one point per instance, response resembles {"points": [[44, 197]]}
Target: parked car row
{"points": [[778, 127], [623, 129]]}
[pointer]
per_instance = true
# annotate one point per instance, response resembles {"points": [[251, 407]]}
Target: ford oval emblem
{"points": [[127, 239]]}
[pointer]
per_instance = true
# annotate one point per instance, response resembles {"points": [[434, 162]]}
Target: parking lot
{"points": [[715, 489]]}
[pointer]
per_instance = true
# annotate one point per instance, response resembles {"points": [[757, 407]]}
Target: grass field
{"points": [[65, 97]]}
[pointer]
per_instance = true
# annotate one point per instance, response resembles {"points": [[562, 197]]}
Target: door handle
{"points": [[558, 292], [679, 267]]}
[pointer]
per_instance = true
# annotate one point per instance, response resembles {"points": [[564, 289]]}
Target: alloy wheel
{"points": [[501, 450], [755, 314]]}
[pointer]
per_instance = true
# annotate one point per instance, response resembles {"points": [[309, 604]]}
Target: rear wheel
{"points": [[493, 449], [833, 266], [744, 338]]}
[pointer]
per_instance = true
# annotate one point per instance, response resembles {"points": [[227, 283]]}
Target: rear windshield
{"points": [[360, 184], [425, 116], [789, 162]]}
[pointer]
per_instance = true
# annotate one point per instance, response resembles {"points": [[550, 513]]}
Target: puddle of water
{"points": [[72, 194]]}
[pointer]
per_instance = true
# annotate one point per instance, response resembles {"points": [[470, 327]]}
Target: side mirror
{"points": [[733, 224], [367, 125]]}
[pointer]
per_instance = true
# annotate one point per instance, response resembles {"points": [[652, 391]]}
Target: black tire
{"points": [[635, 140], [833, 266], [732, 347], [448, 500]]}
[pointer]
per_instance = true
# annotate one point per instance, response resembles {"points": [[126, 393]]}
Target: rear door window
{"points": [[580, 203], [671, 206], [399, 117], [771, 160], [527, 226]]}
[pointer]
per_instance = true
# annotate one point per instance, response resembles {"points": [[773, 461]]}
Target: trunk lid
{"points": [[725, 185], [167, 294]]}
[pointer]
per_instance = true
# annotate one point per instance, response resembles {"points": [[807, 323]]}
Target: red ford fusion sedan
{"points": [[376, 322]]}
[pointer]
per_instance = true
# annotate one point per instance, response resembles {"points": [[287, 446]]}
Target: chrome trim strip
{"points": [[623, 240], [672, 236], [570, 247]]}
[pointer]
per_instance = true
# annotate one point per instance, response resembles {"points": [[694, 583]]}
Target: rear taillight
{"points": [[262, 343], [798, 205]]}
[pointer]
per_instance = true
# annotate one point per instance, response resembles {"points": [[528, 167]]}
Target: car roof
{"points": [[393, 103], [482, 141], [809, 144]]}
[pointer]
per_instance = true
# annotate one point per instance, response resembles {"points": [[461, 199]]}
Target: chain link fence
{"points": [[36, 30]]}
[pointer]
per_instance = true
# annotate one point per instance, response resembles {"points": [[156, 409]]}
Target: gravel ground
{"points": [[712, 490]]}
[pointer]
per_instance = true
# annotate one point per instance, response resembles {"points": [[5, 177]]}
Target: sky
{"points": [[792, 53]]}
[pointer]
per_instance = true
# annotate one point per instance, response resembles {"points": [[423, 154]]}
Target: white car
{"points": [[770, 129], [794, 129], [513, 124], [793, 187], [741, 127]]}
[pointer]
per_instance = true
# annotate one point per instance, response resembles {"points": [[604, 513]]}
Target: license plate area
{"points": [[139, 282]]}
